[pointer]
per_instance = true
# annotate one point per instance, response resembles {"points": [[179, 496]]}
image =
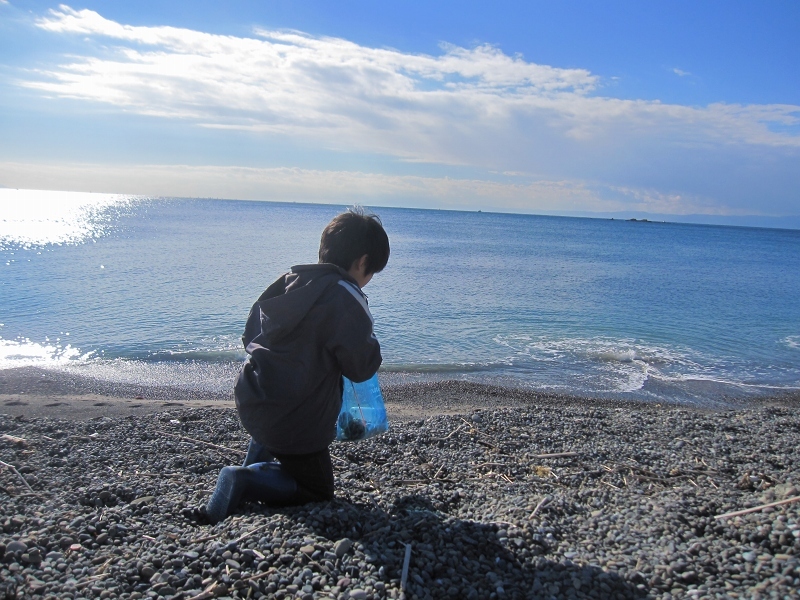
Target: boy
{"points": [[303, 333]]}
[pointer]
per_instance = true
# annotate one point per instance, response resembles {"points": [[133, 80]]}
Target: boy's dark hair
{"points": [[350, 236]]}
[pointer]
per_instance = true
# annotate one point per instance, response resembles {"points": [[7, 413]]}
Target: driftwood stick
{"points": [[758, 508], [13, 439], [449, 435], [341, 460], [209, 592], [13, 468], [252, 531], [90, 580], [479, 432], [544, 501], [237, 540], [556, 455], [406, 564], [207, 538], [204, 443]]}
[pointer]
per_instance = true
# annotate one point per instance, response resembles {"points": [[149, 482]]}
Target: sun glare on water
{"points": [[31, 218]]}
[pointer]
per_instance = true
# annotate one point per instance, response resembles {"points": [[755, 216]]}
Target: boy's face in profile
{"points": [[358, 271]]}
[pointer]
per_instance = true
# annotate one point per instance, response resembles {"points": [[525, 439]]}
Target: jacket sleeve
{"points": [[353, 344]]}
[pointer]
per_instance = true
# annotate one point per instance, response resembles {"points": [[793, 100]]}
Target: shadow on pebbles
{"points": [[626, 508]]}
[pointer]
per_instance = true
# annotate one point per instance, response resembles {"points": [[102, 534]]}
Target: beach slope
{"points": [[495, 494]]}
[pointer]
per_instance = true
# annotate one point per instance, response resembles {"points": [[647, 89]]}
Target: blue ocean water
{"points": [[156, 292]]}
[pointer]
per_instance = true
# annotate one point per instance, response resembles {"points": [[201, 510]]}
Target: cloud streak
{"points": [[477, 107]]}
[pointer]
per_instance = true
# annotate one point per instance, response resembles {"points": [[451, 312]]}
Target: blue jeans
{"points": [[295, 479], [312, 472]]}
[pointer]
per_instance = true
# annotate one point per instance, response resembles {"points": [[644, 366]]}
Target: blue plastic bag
{"points": [[363, 414]]}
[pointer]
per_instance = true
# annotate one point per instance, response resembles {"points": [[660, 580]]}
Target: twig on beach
{"points": [[449, 435], [204, 443], [100, 574], [439, 471], [406, 563], [758, 508], [322, 567], [13, 439], [92, 579], [212, 592], [556, 455], [487, 444], [610, 485], [479, 432], [539, 506], [206, 594], [252, 531], [13, 468], [341, 460], [208, 538]]}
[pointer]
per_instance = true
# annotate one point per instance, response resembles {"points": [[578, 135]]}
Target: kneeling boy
{"points": [[304, 332]]}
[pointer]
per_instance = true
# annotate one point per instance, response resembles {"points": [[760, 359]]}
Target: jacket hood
{"points": [[285, 303]]}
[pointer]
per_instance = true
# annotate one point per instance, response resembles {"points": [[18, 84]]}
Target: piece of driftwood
{"points": [[747, 511], [539, 506], [212, 592], [556, 455], [406, 564], [449, 435], [14, 469], [13, 439], [474, 429], [252, 531]]}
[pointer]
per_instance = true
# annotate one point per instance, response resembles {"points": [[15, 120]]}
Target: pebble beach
{"points": [[475, 492]]}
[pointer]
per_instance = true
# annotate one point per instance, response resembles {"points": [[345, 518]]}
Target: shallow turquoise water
{"points": [[157, 290]]}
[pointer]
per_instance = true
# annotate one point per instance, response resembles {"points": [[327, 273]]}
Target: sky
{"points": [[676, 109]]}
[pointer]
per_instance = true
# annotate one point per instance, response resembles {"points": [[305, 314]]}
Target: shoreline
{"points": [[36, 392]]}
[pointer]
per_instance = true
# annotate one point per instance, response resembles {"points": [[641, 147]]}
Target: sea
{"points": [[117, 289]]}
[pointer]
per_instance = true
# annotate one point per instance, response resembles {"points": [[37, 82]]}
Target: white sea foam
{"points": [[31, 218], [25, 353], [792, 341], [599, 365]]}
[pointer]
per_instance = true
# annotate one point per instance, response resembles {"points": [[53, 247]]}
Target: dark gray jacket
{"points": [[304, 332]]}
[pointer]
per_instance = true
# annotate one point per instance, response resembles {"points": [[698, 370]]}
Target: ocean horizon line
{"points": [[755, 221]]}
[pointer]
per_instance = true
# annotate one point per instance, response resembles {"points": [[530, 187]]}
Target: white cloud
{"points": [[680, 72], [349, 96], [476, 106]]}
